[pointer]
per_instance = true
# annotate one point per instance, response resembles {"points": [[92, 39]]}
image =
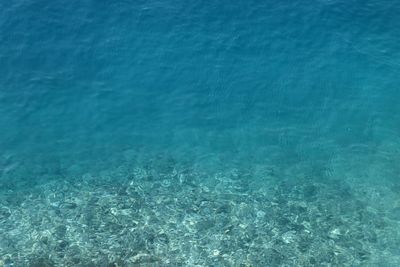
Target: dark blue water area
{"points": [[85, 81], [306, 89]]}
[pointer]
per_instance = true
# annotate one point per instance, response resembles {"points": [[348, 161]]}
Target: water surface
{"points": [[288, 96]]}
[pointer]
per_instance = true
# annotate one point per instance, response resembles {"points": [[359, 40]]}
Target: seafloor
{"points": [[166, 214]]}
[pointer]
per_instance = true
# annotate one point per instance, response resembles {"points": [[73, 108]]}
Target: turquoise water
{"points": [[301, 92]]}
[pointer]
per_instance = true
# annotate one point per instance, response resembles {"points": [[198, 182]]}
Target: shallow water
{"points": [[238, 118]]}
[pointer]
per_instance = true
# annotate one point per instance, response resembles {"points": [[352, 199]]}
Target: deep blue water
{"points": [[82, 82], [86, 86]]}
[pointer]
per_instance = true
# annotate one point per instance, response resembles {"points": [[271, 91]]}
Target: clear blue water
{"points": [[87, 86]]}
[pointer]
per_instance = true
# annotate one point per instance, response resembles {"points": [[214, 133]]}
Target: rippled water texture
{"points": [[232, 97]]}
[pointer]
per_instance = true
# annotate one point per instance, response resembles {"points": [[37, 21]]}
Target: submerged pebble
{"points": [[5, 213], [165, 225]]}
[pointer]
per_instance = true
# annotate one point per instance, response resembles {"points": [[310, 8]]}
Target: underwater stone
{"points": [[44, 240], [205, 224], [155, 222], [62, 245], [371, 236], [42, 262], [310, 192], [304, 244], [223, 208], [289, 237], [363, 255], [76, 260], [312, 260], [162, 238], [69, 205], [60, 231], [260, 214], [274, 257], [334, 233], [4, 213], [143, 258]]}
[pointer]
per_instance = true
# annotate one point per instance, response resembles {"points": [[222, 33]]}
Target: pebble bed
{"points": [[171, 216]]}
